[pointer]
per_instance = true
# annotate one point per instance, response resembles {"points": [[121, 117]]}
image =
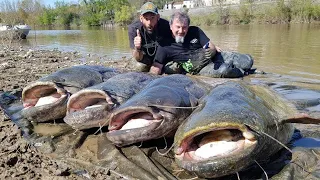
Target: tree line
{"points": [[122, 12], [83, 13]]}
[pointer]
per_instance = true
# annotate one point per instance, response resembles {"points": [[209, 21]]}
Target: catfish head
{"points": [[236, 125], [46, 99], [156, 111]]}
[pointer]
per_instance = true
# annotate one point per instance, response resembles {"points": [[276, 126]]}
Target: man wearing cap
{"points": [[145, 35]]}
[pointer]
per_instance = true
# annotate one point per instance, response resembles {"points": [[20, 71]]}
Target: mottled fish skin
{"points": [[157, 102], [59, 86], [96, 102], [250, 112]]}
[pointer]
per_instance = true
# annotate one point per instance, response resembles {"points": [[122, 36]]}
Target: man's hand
{"points": [[211, 50], [218, 49], [156, 68], [209, 53], [137, 41]]}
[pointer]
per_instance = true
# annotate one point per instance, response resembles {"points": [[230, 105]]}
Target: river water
{"points": [[284, 49], [291, 53]]}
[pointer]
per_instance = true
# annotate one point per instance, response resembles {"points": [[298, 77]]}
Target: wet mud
{"points": [[53, 151]]}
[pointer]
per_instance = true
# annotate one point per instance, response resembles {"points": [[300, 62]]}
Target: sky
{"points": [[51, 2], [46, 2]]}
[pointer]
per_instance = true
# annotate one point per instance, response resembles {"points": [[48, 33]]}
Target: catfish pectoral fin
{"points": [[304, 118]]}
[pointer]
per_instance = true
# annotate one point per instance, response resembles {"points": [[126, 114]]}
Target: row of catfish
{"points": [[220, 126]]}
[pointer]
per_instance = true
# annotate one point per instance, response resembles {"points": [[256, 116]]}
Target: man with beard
{"points": [[145, 35], [185, 41], [189, 50]]}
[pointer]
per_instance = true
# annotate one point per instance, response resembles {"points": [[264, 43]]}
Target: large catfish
{"points": [[46, 98], [154, 111], [235, 126], [90, 107]]}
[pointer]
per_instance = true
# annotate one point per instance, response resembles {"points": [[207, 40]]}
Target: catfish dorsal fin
{"points": [[304, 118]]}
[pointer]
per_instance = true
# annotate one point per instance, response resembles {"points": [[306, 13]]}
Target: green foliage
{"points": [[97, 12], [64, 16], [47, 17], [273, 13], [207, 20], [248, 12], [160, 3], [304, 10], [92, 19], [124, 15], [244, 14], [316, 12]]}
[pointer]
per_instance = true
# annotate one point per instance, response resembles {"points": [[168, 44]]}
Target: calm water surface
{"points": [[292, 50]]}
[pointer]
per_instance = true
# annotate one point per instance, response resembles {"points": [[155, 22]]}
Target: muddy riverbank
{"points": [[19, 67]]}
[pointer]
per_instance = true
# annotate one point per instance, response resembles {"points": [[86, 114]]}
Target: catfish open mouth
{"points": [[88, 108], [42, 94], [135, 118], [216, 143], [85, 100]]}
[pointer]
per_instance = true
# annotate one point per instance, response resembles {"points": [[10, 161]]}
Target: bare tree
{"points": [[9, 17], [199, 3]]}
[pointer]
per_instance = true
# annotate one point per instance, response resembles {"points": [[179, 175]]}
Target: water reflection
{"points": [[283, 49], [111, 42]]}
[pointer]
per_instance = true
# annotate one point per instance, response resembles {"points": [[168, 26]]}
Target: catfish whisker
{"points": [[265, 173], [176, 107], [162, 154], [277, 141], [100, 128], [140, 144], [318, 155], [165, 141], [191, 178], [238, 176], [103, 151], [178, 170], [76, 130], [301, 167], [118, 174]]}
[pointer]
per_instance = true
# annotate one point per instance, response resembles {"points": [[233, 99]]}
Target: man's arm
{"points": [[137, 54], [211, 50], [213, 47], [135, 42]]}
